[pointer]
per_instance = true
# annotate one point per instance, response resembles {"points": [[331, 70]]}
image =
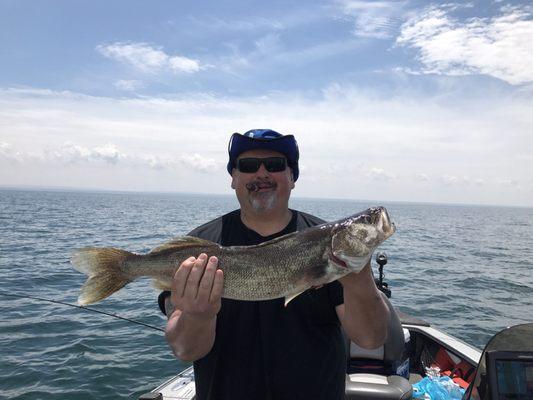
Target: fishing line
{"points": [[82, 307]]}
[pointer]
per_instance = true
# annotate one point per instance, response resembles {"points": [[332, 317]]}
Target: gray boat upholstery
{"points": [[409, 319], [392, 349], [374, 386], [395, 343]]}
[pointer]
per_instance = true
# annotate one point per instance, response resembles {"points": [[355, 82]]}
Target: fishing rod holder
{"points": [[381, 259]]}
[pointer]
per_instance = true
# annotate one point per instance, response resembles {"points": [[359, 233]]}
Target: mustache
{"points": [[258, 184]]}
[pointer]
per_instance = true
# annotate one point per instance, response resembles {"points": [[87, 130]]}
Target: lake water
{"points": [[465, 269]]}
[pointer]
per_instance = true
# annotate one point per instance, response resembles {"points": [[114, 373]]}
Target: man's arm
{"points": [[195, 303], [364, 314]]}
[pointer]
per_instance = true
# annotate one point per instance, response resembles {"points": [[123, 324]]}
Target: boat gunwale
{"points": [[456, 346]]}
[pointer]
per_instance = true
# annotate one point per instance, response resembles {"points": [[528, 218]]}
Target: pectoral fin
{"points": [[182, 242], [290, 298]]}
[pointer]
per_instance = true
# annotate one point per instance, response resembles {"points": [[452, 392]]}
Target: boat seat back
{"points": [[374, 374]]}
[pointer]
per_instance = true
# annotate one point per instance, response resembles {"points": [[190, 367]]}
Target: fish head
{"points": [[354, 238]]}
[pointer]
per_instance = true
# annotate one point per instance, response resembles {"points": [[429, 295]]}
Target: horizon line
{"points": [[70, 189]]}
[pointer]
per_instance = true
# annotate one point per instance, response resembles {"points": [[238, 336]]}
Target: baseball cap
{"points": [[266, 139]]}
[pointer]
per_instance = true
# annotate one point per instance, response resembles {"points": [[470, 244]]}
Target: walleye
{"points": [[282, 267]]}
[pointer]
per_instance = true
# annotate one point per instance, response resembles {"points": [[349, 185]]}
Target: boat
{"points": [[415, 351]]}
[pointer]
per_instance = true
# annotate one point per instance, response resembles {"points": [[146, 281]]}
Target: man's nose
{"points": [[262, 171]]}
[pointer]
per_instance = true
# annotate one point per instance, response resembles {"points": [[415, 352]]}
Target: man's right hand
{"points": [[195, 295], [197, 287]]}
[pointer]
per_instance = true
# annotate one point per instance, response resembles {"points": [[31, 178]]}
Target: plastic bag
{"points": [[437, 388]]}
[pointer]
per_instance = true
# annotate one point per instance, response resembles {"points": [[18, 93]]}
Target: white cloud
{"points": [[278, 20], [74, 154], [200, 163], [422, 177], [350, 141], [148, 59], [252, 24], [269, 54], [264, 52], [500, 46], [128, 85], [373, 19], [156, 162], [450, 180], [268, 44], [71, 153], [108, 153], [508, 182], [183, 64], [5, 149], [8, 153], [380, 174]]}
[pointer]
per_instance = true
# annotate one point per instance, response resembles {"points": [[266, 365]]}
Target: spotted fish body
{"points": [[282, 267]]}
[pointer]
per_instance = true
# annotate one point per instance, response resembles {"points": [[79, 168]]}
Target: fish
{"points": [[282, 267]]}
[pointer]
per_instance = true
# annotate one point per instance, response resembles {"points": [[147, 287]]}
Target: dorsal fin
{"points": [[181, 242], [267, 243]]}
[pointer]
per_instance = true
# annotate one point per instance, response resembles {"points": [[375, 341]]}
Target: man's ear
{"points": [[292, 178], [233, 179]]}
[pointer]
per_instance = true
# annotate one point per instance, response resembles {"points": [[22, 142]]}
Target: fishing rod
{"points": [[82, 307]]}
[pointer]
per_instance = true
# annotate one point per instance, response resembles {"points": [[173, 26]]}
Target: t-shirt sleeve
{"points": [[336, 294], [161, 300]]}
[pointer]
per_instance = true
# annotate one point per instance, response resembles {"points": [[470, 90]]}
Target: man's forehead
{"points": [[260, 153]]}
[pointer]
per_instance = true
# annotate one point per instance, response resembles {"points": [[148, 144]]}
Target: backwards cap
{"points": [[266, 139]]}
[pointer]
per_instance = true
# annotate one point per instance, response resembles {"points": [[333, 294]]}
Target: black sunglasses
{"points": [[252, 164]]}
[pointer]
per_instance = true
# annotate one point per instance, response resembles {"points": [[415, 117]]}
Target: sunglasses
{"points": [[252, 164]]}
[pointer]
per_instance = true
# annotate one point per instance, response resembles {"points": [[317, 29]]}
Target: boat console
{"points": [[505, 370], [510, 374]]}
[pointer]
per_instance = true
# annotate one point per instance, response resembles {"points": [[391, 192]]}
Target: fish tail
{"points": [[105, 270]]}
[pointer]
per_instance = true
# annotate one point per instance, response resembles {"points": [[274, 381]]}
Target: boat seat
{"points": [[374, 374], [372, 386]]}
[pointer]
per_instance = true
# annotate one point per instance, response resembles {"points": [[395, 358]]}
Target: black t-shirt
{"points": [[266, 351]]}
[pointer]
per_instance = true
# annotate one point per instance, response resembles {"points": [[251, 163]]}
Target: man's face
{"points": [[262, 190]]}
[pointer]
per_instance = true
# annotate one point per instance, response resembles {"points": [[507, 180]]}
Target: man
{"points": [[262, 349]]}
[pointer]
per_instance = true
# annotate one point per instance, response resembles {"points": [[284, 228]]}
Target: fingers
{"points": [[206, 283], [181, 276], [198, 286], [218, 286], [197, 270]]}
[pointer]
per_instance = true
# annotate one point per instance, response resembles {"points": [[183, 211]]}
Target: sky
{"points": [[389, 100]]}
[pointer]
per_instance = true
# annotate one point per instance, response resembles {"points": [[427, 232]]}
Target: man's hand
{"points": [[196, 293], [197, 287]]}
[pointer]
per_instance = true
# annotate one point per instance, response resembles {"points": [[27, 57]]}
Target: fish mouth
{"points": [[385, 222]]}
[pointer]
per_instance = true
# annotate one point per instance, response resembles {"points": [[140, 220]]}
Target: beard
{"points": [[263, 201]]}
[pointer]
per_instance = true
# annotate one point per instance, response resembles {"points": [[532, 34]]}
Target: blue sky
{"points": [[389, 100]]}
